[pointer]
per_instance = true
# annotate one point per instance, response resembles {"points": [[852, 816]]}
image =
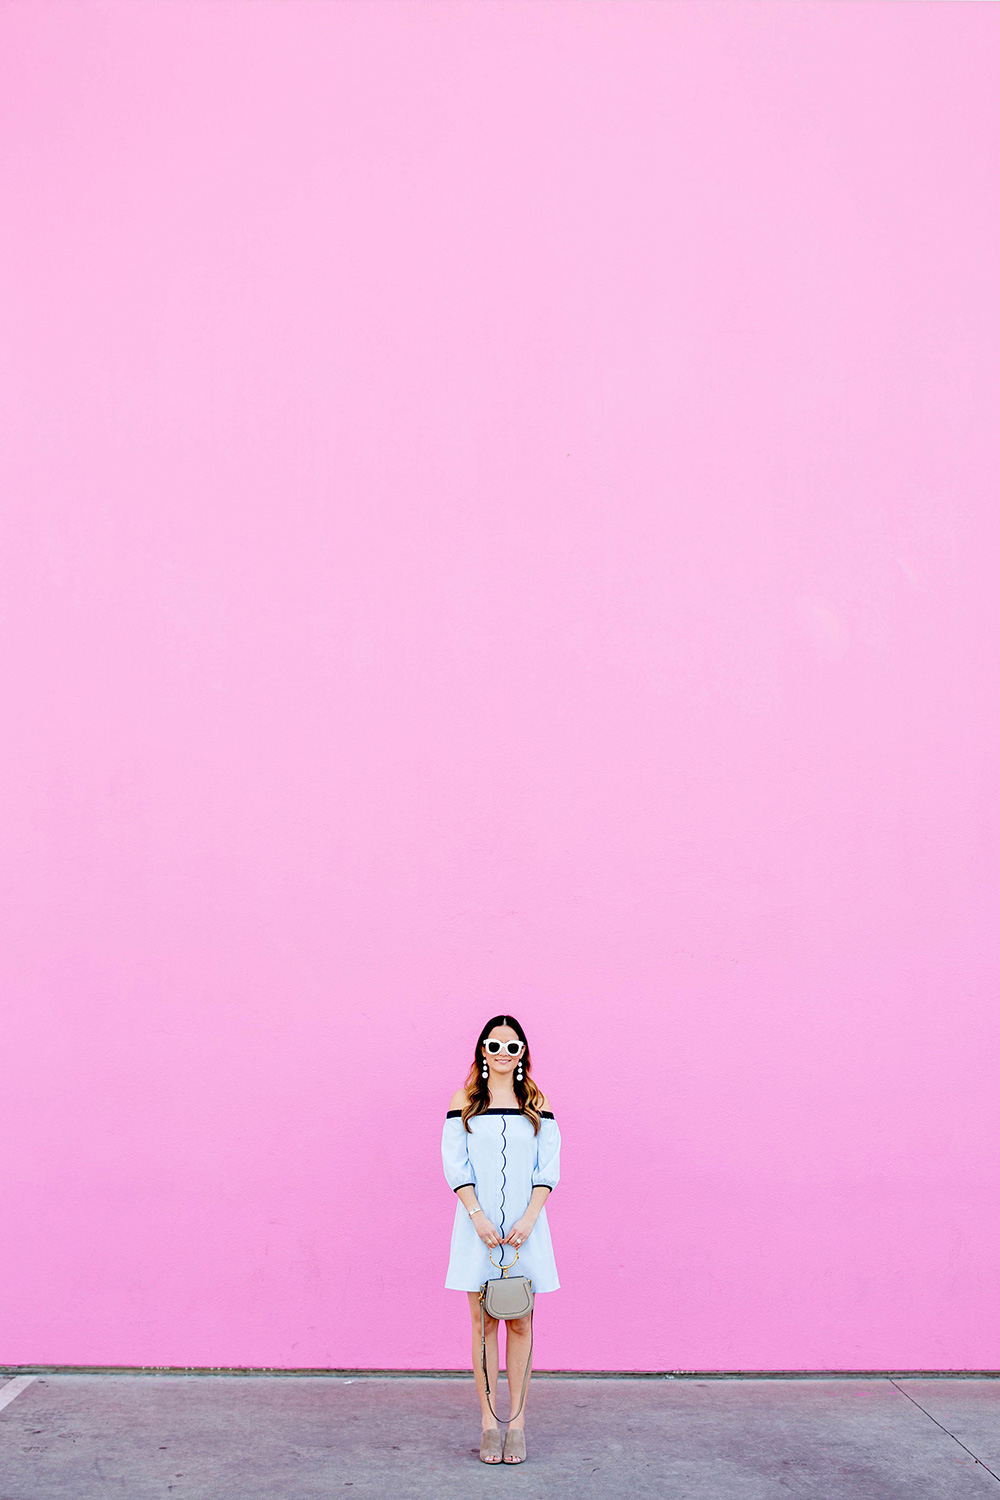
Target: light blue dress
{"points": [[503, 1159]]}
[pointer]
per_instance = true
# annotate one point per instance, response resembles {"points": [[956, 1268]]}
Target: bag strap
{"points": [[486, 1373]]}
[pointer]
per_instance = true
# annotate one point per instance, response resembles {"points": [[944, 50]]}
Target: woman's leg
{"points": [[492, 1359], [518, 1344]]}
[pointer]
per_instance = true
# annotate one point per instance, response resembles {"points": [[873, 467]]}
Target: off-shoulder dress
{"points": [[503, 1159]]}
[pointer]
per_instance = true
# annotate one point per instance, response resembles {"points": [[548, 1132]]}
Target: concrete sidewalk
{"points": [[148, 1437]]}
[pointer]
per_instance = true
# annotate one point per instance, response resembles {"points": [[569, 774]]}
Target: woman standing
{"points": [[501, 1156]]}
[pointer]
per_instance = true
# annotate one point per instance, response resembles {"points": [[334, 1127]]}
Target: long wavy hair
{"points": [[527, 1093]]}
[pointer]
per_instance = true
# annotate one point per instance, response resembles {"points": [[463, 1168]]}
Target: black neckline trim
{"points": [[456, 1114]]}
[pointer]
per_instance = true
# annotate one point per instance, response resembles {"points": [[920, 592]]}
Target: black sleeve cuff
{"points": [[462, 1185]]}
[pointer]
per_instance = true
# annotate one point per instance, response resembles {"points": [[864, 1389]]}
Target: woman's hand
{"points": [[520, 1231], [487, 1230]]}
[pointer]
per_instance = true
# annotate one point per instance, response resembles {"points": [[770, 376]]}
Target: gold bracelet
{"points": [[477, 1210]]}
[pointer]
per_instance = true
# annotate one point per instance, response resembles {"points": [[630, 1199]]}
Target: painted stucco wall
{"points": [[499, 511]]}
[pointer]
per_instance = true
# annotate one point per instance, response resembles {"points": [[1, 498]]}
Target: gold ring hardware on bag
{"points": [[503, 1269]]}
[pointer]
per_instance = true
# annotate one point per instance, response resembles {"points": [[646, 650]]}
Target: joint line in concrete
{"points": [[980, 1461]]}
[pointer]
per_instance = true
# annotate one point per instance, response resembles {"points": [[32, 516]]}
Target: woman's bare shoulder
{"points": [[459, 1100], [546, 1102]]}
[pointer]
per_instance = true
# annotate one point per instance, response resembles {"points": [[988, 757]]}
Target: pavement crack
{"points": [[982, 1462]]}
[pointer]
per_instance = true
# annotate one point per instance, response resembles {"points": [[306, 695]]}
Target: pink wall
{"points": [[500, 511]]}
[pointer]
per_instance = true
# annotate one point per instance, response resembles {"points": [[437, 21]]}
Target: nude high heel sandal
{"points": [[514, 1447], [489, 1445]]}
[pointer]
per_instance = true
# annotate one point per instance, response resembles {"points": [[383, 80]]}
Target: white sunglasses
{"points": [[494, 1048]]}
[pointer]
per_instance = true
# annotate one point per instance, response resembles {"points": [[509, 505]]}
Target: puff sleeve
{"points": [[547, 1141], [455, 1153]]}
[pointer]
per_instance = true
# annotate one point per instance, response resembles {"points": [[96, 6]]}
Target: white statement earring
{"points": [[519, 1075], [486, 1068]]}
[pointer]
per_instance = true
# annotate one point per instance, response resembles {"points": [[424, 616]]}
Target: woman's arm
{"points": [[455, 1154], [484, 1227], [547, 1143], [482, 1224]]}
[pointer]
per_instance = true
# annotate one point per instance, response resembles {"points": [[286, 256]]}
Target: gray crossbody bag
{"points": [[507, 1296]]}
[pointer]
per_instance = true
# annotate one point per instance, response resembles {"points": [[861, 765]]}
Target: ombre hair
{"points": [[527, 1093]]}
